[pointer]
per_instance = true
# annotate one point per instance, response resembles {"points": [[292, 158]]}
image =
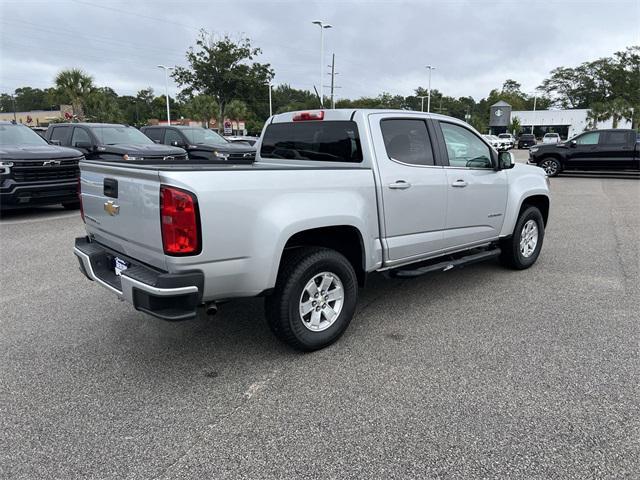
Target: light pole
{"points": [[270, 104], [429, 67], [422, 97], [535, 98], [322, 26], [166, 83]]}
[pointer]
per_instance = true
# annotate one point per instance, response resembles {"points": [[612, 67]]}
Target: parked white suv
{"points": [[509, 139], [333, 196], [550, 138]]}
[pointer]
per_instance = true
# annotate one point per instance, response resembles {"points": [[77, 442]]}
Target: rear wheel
{"points": [[523, 248], [551, 166], [314, 299]]}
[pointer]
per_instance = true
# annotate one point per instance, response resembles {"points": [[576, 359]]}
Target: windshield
{"points": [[19, 135], [527, 136], [554, 135], [504, 135], [114, 134], [202, 136]]}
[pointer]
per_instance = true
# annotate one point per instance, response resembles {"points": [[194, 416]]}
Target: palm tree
{"points": [[202, 107], [75, 86], [616, 110], [237, 110]]}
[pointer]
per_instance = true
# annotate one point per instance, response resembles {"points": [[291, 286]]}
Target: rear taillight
{"points": [[179, 221], [80, 199], [303, 116]]}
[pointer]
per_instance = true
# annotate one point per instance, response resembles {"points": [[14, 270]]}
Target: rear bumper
{"points": [[37, 193], [164, 295]]}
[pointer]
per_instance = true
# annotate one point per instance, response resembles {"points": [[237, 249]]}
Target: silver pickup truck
{"points": [[332, 196]]}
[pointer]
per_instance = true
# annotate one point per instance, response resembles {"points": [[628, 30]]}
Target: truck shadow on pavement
{"points": [[238, 334]]}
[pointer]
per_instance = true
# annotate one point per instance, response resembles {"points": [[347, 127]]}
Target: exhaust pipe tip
{"points": [[211, 309]]}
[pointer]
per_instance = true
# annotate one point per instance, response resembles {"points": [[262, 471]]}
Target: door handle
{"points": [[459, 183], [400, 185]]}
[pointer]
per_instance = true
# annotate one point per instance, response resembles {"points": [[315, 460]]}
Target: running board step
{"points": [[447, 264]]}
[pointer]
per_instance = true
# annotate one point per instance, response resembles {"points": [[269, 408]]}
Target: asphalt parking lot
{"points": [[475, 373]]}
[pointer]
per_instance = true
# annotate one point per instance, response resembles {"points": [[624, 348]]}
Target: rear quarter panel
{"points": [[247, 216]]}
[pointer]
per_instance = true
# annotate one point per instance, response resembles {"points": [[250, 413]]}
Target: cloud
{"points": [[379, 45]]}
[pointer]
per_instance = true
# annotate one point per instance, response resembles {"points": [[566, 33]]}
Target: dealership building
{"points": [[567, 123]]}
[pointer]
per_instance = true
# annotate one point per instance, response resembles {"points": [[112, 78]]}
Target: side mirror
{"points": [[55, 142], [175, 143], [506, 160], [573, 144], [84, 145]]}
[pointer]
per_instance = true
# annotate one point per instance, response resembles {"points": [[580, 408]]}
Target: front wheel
{"points": [[523, 248], [551, 166], [314, 299]]}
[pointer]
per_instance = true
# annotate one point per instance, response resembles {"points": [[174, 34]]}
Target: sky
{"points": [[379, 45]]}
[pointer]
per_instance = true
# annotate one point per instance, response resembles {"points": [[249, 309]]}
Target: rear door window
{"points": [[407, 141], [616, 138], [325, 141]]}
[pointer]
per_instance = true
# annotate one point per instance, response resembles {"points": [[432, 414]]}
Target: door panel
{"points": [[585, 153], [476, 193], [617, 150], [413, 194], [477, 200]]}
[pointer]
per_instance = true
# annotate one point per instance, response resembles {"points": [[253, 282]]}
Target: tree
{"points": [[223, 69], [74, 86], [101, 105], [616, 110], [237, 110], [515, 126], [6, 102], [202, 108], [28, 98], [511, 87]]}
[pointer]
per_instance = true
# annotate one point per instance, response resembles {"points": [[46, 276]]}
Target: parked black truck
{"points": [[614, 149], [33, 172], [108, 141], [201, 143]]}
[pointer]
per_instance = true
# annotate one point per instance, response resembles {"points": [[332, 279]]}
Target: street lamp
{"points": [[535, 99], [166, 83], [322, 26], [422, 97], [270, 103], [429, 67]]}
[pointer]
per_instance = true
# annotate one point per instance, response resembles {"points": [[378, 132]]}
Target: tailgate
{"points": [[122, 210]]}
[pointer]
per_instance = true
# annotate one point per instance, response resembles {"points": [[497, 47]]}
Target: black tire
{"points": [[551, 166], [71, 205], [511, 255], [298, 268]]}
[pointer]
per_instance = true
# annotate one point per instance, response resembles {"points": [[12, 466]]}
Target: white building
{"points": [[565, 122]]}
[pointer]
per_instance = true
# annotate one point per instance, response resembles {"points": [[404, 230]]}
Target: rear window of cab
{"points": [[323, 141]]}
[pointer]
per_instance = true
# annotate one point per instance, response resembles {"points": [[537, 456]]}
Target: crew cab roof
{"points": [[345, 114], [179, 127], [89, 124]]}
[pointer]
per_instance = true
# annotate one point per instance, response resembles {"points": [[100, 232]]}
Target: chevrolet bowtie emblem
{"points": [[111, 208]]}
